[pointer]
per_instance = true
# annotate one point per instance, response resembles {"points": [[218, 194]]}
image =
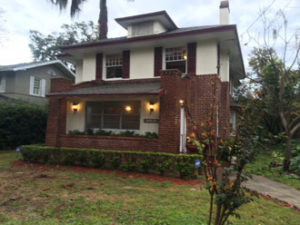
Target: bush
{"points": [[295, 165], [148, 162], [21, 124], [126, 133]]}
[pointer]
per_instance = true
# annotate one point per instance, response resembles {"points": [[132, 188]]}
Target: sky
{"points": [[17, 17]]}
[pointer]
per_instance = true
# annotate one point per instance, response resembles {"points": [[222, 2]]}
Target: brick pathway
{"points": [[274, 189]]}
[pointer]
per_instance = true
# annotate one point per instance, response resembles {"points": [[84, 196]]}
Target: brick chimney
{"points": [[224, 13]]}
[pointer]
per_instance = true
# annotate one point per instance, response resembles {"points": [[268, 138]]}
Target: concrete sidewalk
{"points": [[274, 189]]}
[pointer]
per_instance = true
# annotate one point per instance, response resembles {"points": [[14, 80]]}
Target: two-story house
{"points": [[158, 79], [30, 82]]}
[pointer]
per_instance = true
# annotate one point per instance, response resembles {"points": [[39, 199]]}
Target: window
{"points": [[113, 115], [2, 84], [113, 66], [233, 121], [37, 86], [175, 58]]}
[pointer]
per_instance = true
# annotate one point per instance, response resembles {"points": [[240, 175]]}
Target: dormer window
{"points": [[113, 66], [175, 58]]}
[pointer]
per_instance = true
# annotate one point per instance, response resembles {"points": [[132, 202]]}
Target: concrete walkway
{"points": [[274, 189]]}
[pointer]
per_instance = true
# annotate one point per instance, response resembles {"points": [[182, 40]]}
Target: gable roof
{"points": [[161, 16], [31, 65]]}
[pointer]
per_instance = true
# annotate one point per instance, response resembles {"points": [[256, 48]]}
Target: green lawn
{"points": [[33, 195], [275, 154]]}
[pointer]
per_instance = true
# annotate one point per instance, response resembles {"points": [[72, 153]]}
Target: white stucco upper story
{"points": [[142, 62], [216, 50]]}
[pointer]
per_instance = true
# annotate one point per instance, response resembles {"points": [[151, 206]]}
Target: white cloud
{"points": [[22, 16]]}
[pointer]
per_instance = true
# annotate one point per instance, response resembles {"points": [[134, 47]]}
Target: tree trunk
{"points": [[287, 154], [102, 21]]}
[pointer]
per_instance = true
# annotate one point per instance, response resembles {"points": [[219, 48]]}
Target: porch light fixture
{"points": [[181, 102], [75, 107], [185, 57], [151, 107], [128, 108]]}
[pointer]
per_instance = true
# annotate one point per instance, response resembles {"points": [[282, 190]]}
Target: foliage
{"points": [[21, 123], [126, 133], [152, 162], [268, 163], [223, 161], [278, 95], [46, 47]]}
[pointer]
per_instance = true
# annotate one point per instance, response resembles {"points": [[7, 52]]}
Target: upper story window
{"points": [[37, 86], [175, 58], [113, 66]]}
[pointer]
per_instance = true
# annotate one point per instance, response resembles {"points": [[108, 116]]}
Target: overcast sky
{"points": [[17, 17]]}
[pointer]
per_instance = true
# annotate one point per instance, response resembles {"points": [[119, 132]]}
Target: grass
{"points": [[31, 195], [275, 154]]}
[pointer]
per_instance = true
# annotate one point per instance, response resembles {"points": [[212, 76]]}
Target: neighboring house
{"points": [[30, 82], [156, 79]]}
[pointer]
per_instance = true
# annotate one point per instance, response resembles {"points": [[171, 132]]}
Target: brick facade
{"points": [[196, 91]]}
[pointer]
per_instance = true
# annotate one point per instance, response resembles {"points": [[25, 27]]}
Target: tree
{"points": [[46, 47], [75, 8], [223, 161]]}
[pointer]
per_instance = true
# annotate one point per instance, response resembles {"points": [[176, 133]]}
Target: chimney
{"points": [[224, 12]]}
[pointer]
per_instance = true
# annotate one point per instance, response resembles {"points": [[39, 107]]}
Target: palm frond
{"points": [[61, 3], [75, 6]]}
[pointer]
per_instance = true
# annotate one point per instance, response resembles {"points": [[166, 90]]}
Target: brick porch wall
{"points": [[109, 142]]}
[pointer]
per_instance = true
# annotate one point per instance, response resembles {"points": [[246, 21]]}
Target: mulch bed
{"points": [[149, 177], [125, 174]]}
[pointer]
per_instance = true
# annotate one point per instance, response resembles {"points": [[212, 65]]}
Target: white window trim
{"points": [[164, 58], [42, 92], [104, 71]]}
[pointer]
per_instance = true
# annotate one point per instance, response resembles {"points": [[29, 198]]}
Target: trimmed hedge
{"points": [[21, 124], [147, 162]]}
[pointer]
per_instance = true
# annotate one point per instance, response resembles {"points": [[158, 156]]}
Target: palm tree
{"points": [[75, 8]]}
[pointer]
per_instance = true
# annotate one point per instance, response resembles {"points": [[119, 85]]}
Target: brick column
{"points": [[169, 125], [57, 111], [56, 123], [225, 110]]}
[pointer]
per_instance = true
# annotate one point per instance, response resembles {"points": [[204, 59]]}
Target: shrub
{"points": [[295, 164], [126, 133], [21, 124], [152, 162]]}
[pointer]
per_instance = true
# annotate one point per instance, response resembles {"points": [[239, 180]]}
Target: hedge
{"points": [[21, 124], [147, 162]]}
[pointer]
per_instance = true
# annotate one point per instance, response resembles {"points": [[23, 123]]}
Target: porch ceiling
{"points": [[148, 88]]}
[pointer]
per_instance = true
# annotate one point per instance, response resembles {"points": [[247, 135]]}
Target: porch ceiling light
{"points": [[128, 108], [151, 107], [75, 107], [181, 102]]}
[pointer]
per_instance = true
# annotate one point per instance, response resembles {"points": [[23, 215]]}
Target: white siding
{"points": [[75, 120], [224, 66], [78, 77], [158, 28], [89, 68], [142, 63], [207, 57]]}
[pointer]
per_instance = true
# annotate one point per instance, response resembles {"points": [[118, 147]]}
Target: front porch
{"points": [[105, 116]]}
